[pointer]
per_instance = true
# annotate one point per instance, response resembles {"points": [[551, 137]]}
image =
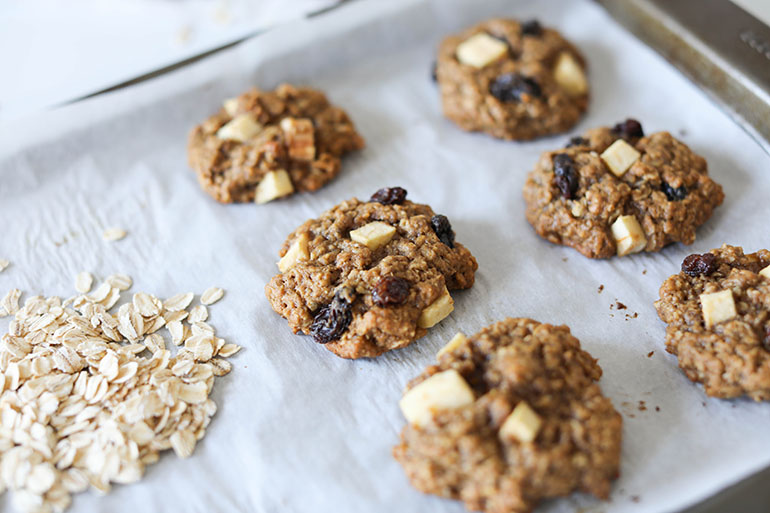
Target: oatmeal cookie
{"points": [[265, 145], [718, 314], [508, 417], [615, 191], [512, 80], [370, 276]]}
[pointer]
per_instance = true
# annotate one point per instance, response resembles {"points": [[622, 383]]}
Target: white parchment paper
{"points": [[299, 429]]}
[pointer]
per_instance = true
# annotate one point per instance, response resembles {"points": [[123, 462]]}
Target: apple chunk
{"points": [[445, 390], [274, 185], [628, 234], [373, 235], [717, 307], [436, 311], [523, 424], [297, 251], [480, 50]]}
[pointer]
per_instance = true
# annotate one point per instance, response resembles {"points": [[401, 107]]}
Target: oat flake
{"points": [[83, 404]]}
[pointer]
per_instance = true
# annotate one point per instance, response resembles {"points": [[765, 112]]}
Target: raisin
{"points": [[433, 73], [628, 129], [389, 196], [561, 160], [696, 265], [443, 229], [578, 141], [332, 320], [390, 291], [674, 194], [531, 28], [513, 86], [566, 178]]}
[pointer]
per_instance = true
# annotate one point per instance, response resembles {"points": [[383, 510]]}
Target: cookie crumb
{"points": [[619, 305], [636, 498], [601, 288], [644, 271], [649, 355], [657, 408], [564, 259], [4, 264], [642, 406]]}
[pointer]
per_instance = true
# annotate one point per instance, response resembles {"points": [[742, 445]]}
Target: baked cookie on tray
{"points": [[264, 145], [615, 191], [718, 314], [508, 417], [370, 276], [512, 80]]}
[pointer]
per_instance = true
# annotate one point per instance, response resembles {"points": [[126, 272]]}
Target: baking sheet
{"points": [[109, 42], [299, 429]]}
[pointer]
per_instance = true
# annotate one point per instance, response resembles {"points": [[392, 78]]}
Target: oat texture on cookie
{"points": [[717, 311], [512, 80], [90, 396], [616, 191], [500, 411], [367, 277], [265, 145]]}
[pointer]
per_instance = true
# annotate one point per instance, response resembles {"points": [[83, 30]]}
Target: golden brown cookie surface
{"points": [[718, 314], [524, 421], [615, 191], [512, 80], [264, 145], [368, 277]]}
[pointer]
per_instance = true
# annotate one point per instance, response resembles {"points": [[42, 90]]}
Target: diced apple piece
{"points": [[717, 307], [297, 251], [628, 234], [240, 128], [570, 76], [300, 138], [373, 235], [231, 106], [445, 390], [765, 272], [523, 424], [453, 344], [436, 311], [480, 50], [274, 185], [620, 156]]}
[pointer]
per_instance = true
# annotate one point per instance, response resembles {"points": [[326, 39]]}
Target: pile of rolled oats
{"points": [[88, 397]]}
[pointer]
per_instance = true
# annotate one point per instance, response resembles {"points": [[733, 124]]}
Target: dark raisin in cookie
{"points": [[266, 145], [718, 314], [512, 80], [369, 277], [508, 417], [615, 191]]}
